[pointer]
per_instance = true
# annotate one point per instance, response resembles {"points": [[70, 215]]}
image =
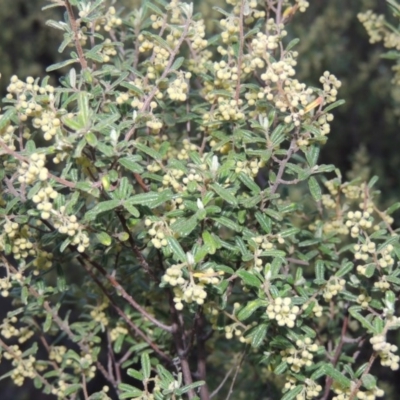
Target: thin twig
{"points": [[74, 27]]}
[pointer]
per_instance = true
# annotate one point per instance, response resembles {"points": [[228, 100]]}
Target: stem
{"points": [[74, 27], [178, 336], [164, 74], [241, 45]]}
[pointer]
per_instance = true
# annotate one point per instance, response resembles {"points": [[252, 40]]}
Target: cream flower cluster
{"points": [[238, 331], [48, 123], [333, 287], [43, 198], [23, 367], [330, 85], [178, 88], [108, 21], [363, 300], [281, 310], [301, 356], [344, 394], [159, 232], [118, 331], [185, 288], [7, 329], [69, 225], [386, 352], [358, 220], [374, 25], [317, 309], [57, 353], [249, 167], [191, 293], [99, 315], [310, 389], [382, 284], [33, 170]]}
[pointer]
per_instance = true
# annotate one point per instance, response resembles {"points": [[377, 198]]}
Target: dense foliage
{"points": [[166, 224]]}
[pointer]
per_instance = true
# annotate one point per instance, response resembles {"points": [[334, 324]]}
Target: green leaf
{"points": [[151, 199], [355, 313], [249, 279], [264, 222], [176, 249], [146, 366], [315, 189], [6, 117], [372, 181], [258, 335], [131, 209], [224, 194], [131, 164], [91, 138], [149, 151], [292, 43], [209, 242], [320, 270], [246, 180], [345, 269], [273, 214], [334, 105], [184, 226], [72, 389], [293, 393], [61, 64], [191, 386], [228, 223], [177, 63], [129, 391], [101, 208], [249, 309], [369, 381], [104, 238], [337, 376], [150, 4], [289, 232], [312, 155]]}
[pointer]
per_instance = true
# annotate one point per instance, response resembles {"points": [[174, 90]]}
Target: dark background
{"points": [[364, 138]]}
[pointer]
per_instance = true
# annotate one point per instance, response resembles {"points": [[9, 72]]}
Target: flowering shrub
{"points": [[166, 224]]}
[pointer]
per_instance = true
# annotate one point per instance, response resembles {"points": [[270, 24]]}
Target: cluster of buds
{"points": [[158, 231], [191, 293], [48, 123], [310, 389], [363, 300], [178, 88], [109, 20], [328, 201], [69, 225], [281, 310], [99, 315], [57, 353], [228, 110], [301, 356], [382, 284], [330, 85], [249, 168], [386, 352], [333, 287], [43, 198], [358, 220], [118, 331], [238, 331], [316, 310], [34, 169]]}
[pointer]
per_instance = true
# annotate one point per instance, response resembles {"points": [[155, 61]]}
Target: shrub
{"points": [[164, 222]]}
